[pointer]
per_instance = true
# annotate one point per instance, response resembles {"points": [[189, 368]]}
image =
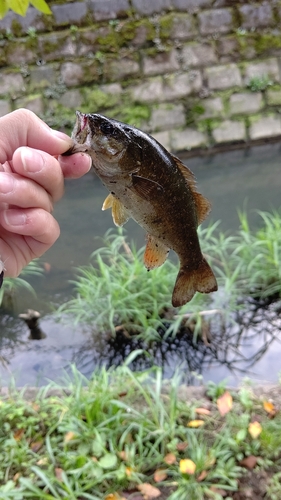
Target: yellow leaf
{"points": [[114, 496], [159, 475], [43, 461], [270, 408], [255, 429], [170, 458], [18, 6], [225, 403], [41, 5], [148, 491], [69, 436], [187, 466], [195, 423], [128, 471]]}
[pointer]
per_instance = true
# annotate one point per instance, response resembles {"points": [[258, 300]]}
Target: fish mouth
{"points": [[79, 135]]}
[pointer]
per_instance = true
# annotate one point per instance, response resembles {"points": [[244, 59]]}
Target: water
{"points": [[229, 180]]}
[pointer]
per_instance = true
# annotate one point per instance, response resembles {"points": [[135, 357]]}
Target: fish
{"points": [[1, 272], [153, 187]]}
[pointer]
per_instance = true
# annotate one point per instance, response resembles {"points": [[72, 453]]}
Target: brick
{"points": [[268, 67], [229, 131], [42, 76], [72, 74], [266, 126], [187, 139], [163, 62], [18, 53], [117, 69], [183, 27], [5, 107], [213, 108], [246, 103], [228, 47], [111, 88], [11, 83], [223, 77], [191, 5], [149, 91], [273, 97], [34, 103], [178, 86], [166, 117], [69, 13], [194, 55], [215, 21], [163, 138], [57, 46], [256, 16], [148, 7], [109, 9], [71, 99], [32, 18]]}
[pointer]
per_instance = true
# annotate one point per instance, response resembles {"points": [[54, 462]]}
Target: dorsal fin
{"points": [[203, 206]]}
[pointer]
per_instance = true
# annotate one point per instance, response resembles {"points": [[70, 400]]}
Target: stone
{"points": [[109, 9], [72, 74], [215, 21], [246, 103], [180, 85], [57, 46], [11, 83], [148, 91], [273, 97], [198, 54], [71, 99], [187, 139], [213, 108], [223, 77], [32, 18], [34, 103], [266, 126], [166, 117], [69, 13], [19, 54], [42, 76], [117, 69], [111, 88], [183, 27], [229, 131], [191, 6], [163, 138], [256, 16], [148, 7], [5, 107], [163, 62], [266, 68], [228, 47]]}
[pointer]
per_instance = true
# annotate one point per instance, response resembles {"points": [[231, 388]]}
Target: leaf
{"points": [[270, 408], [69, 436], [195, 423], [249, 462], [225, 403], [108, 461], [148, 491], [182, 446], [18, 434], [41, 6], [159, 475], [3, 8], [18, 6], [36, 445], [114, 496], [255, 429], [128, 471], [202, 476], [187, 466], [58, 473], [123, 455], [170, 458], [202, 411]]}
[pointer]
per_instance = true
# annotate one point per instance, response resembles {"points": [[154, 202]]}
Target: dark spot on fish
{"points": [[158, 220], [112, 192], [1, 278], [112, 182], [106, 128]]}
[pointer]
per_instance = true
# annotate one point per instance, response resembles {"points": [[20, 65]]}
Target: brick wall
{"points": [[194, 73]]}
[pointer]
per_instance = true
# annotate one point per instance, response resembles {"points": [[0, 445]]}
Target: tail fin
{"points": [[189, 281]]}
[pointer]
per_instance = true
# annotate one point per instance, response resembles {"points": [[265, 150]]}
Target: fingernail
{"points": [[32, 160], [62, 136], [6, 183], [14, 217]]}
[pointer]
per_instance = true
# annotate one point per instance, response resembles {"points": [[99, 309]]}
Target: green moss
{"points": [[267, 41], [111, 40], [166, 24], [133, 114], [130, 29], [98, 99]]}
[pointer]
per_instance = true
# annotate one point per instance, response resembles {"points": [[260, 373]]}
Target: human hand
{"points": [[32, 176]]}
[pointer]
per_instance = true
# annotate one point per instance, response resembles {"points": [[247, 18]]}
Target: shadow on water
{"points": [[247, 345]]}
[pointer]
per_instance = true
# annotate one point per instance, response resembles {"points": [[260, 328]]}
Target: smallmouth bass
{"points": [[156, 189]]}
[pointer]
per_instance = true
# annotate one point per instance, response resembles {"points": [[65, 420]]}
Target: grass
{"points": [[108, 436], [10, 285], [117, 293]]}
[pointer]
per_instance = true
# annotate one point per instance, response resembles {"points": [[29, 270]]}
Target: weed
{"points": [[10, 285], [258, 83]]}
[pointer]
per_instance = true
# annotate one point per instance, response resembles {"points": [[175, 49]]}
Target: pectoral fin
{"points": [[145, 188], [119, 213], [155, 253]]}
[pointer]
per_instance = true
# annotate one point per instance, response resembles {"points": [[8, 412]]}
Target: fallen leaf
{"points": [[202, 411], [159, 475], [270, 408], [170, 458], [225, 403], [195, 423], [182, 446], [148, 491], [43, 461], [114, 496], [36, 445], [202, 476], [219, 491], [18, 434], [16, 477], [35, 406], [69, 436], [249, 462], [122, 394], [255, 429], [187, 466], [58, 473]]}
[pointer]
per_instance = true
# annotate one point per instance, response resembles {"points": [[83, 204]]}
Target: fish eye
{"points": [[106, 128]]}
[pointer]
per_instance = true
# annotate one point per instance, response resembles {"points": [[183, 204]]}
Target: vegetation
{"points": [[10, 285], [117, 293], [258, 83], [20, 6], [97, 440]]}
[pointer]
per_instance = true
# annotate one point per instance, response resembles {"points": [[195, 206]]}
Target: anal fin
{"points": [[120, 214], [155, 253], [189, 282]]}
